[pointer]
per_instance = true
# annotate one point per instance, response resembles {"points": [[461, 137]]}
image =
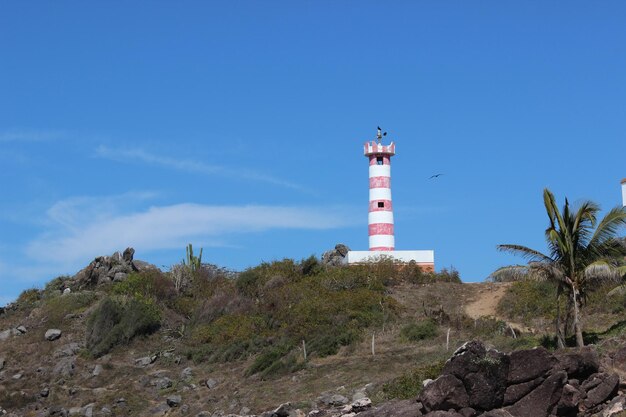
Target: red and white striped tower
{"points": [[380, 216]]}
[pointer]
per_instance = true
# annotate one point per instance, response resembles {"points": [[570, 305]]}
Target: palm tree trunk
{"points": [[579, 333], [568, 325], [559, 335]]}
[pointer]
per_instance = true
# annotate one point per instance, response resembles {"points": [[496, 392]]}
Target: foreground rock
{"points": [[477, 381]]}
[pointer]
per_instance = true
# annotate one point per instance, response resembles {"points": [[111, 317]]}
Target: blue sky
{"points": [[238, 126]]}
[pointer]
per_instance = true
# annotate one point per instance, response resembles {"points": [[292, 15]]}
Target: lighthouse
{"points": [[624, 192], [380, 222], [380, 215]]}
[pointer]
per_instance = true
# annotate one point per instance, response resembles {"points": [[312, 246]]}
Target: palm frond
{"points": [[547, 271], [609, 226], [509, 273], [601, 272], [525, 252]]}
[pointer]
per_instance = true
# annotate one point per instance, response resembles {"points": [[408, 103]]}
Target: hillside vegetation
{"points": [[281, 331]]}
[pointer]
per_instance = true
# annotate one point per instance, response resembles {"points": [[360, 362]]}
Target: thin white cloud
{"points": [[169, 227], [76, 212], [191, 166], [30, 135]]}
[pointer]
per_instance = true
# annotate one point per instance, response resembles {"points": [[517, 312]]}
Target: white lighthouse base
{"points": [[424, 258]]}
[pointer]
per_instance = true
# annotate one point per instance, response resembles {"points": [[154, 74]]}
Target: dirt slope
{"points": [[484, 303]]}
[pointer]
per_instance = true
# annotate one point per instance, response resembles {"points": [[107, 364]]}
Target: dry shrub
{"points": [[117, 320]]}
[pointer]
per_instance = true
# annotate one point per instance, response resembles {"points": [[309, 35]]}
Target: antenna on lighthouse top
{"points": [[380, 134]]}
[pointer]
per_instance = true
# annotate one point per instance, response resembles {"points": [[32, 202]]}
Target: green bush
{"points": [[529, 299], [414, 332], [327, 342], [276, 360], [28, 298], [54, 287], [117, 320], [409, 384], [145, 285]]}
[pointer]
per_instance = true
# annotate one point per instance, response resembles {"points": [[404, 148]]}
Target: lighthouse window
{"points": [[379, 160], [381, 204]]}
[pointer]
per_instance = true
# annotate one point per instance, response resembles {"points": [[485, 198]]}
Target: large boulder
{"points": [[602, 391], [478, 381], [337, 256], [444, 393], [106, 269], [578, 364], [528, 365], [541, 401], [483, 373]]}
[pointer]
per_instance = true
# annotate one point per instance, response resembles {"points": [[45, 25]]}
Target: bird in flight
{"points": [[435, 176]]}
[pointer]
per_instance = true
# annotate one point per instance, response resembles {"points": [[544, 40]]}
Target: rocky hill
{"points": [[287, 338]]}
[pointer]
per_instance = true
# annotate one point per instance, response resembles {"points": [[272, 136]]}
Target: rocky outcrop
{"points": [[337, 256], [477, 381], [105, 269]]}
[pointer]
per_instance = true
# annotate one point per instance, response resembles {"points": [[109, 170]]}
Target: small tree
{"points": [[583, 254]]}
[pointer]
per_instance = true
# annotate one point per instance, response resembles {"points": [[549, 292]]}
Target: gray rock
{"points": [[21, 329], [128, 255], [603, 391], [361, 405], [67, 291], [65, 367], [17, 376], [580, 364], [174, 400], [570, 398], [5, 334], [44, 392], [162, 383], [444, 393], [53, 334], [615, 407], [2, 363], [337, 256], [500, 412], [97, 370], [211, 383], [441, 413], [332, 400], [145, 361], [282, 410], [542, 400], [105, 269], [515, 392], [88, 410], [119, 276], [527, 365], [75, 411], [70, 349], [186, 374]]}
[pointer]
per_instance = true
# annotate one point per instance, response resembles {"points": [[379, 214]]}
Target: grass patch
{"points": [[57, 307], [409, 384]]}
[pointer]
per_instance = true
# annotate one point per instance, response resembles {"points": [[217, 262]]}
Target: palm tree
{"points": [[583, 253]]}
